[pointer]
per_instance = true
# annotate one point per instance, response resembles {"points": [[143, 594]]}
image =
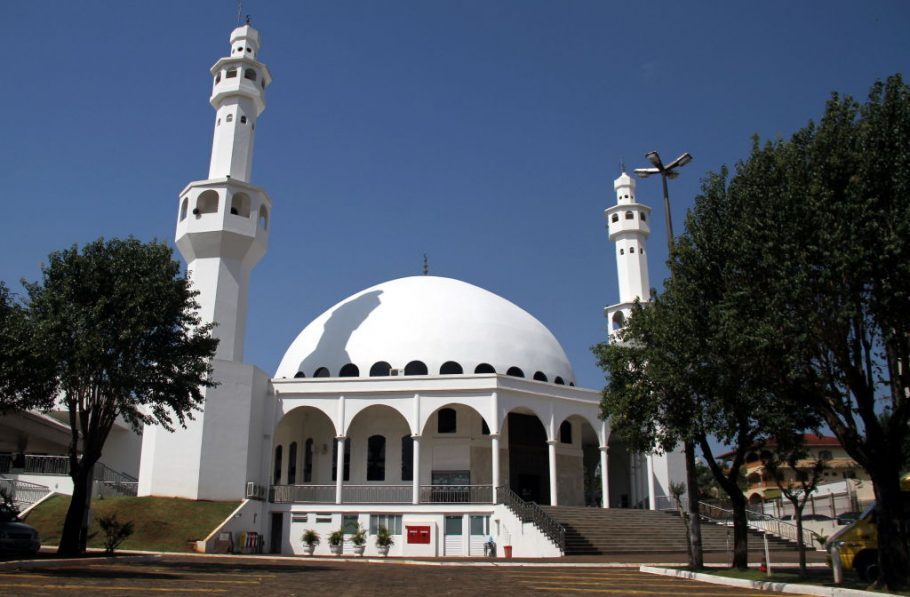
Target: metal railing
{"points": [[382, 494], [23, 493], [307, 494], [456, 494], [120, 482], [760, 521], [40, 464], [533, 513]]}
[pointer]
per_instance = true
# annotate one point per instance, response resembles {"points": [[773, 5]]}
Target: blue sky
{"points": [[485, 134]]}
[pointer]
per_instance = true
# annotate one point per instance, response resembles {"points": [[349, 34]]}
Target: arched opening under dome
{"points": [[528, 456], [456, 461], [299, 375], [321, 372], [416, 368], [559, 381], [540, 376], [349, 370], [380, 369], [627, 475], [578, 463], [484, 368], [309, 430], [451, 368], [515, 372]]}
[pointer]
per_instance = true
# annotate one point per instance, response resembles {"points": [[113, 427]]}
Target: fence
{"points": [[22, 493], [382, 494]]}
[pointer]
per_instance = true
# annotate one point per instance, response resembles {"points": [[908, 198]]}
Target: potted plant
{"points": [[310, 540], [359, 539], [336, 542], [383, 541]]}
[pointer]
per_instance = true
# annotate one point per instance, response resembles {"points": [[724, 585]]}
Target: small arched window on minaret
{"points": [[618, 320], [240, 205], [642, 216], [184, 206], [207, 202], [230, 118], [614, 218], [263, 218], [249, 74], [630, 215]]}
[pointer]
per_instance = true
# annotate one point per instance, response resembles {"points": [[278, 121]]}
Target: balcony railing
{"points": [[382, 494]]}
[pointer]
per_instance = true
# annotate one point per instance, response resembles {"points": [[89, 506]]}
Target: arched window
{"points": [[240, 205], [407, 458], [515, 372], [184, 206], [321, 372], [631, 249], [558, 381], [207, 202], [232, 73], [376, 458], [565, 433], [450, 368], [539, 376], [349, 370], [249, 74], [218, 78], [630, 215], [643, 216], [572, 384], [243, 120], [614, 218], [380, 369], [415, 368], [308, 461], [299, 374], [276, 473], [292, 463], [229, 118], [447, 420], [484, 368], [263, 218], [622, 251], [347, 460], [618, 320]]}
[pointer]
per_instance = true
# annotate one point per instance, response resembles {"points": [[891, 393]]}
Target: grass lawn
{"points": [[160, 524], [786, 574]]}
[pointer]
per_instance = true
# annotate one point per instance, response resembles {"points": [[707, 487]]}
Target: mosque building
{"points": [[424, 405]]}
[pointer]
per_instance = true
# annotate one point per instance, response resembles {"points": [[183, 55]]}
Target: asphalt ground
{"points": [[175, 575]]}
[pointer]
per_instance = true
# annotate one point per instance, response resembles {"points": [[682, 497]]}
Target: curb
{"points": [[59, 563], [760, 585]]}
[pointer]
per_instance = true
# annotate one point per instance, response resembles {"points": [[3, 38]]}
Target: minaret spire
{"points": [[627, 222]]}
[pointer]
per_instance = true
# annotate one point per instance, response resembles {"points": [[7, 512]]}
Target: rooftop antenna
{"points": [[426, 265]]}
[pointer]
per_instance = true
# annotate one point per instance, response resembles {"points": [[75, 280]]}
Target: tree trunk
{"points": [[693, 520], [740, 534], [75, 526], [800, 543], [893, 559]]}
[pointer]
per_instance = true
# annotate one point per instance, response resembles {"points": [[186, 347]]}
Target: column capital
{"points": [[340, 437], [415, 437], [552, 442], [494, 435], [604, 449]]}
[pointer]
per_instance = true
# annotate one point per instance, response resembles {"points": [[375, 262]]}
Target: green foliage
{"points": [[310, 537], [359, 537], [336, 538], [26, 379], [115, 532], [383, 537]]}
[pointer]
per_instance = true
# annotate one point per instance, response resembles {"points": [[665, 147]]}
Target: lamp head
{"points": [[645, 172], [654, 158]]}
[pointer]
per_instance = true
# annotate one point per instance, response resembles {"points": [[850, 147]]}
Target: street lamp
{"points": [[668, 171]]}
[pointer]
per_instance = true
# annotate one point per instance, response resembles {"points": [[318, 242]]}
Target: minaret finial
{"points": [[426, 265], [240, 12], [622, 166]]}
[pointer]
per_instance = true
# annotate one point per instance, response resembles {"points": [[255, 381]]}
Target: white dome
{"points": [[428, 319]]}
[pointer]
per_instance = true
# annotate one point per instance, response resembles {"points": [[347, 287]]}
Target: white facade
{"points": [[420, 403]]}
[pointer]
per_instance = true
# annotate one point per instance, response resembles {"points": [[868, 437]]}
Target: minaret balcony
{"points": [[238, 85]]}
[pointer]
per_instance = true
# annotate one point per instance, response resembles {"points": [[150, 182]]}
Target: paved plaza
{"points": [[175, 575]]}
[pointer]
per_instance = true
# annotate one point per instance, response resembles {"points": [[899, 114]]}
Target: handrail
{"points": [[533, 513], [761, 522], [23, 492]]}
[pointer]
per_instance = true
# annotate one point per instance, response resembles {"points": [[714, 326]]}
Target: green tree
{"points": [[25, 377], [117, 321]]}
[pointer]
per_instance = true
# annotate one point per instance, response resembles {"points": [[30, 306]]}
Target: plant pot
{"points": [[359, 549], [336, 549], [309, 549], [383, 550]]}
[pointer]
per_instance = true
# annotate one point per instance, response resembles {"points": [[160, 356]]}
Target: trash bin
{"points": [[507, 551]]}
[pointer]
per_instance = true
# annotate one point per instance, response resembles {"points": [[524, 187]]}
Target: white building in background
{"points": [[424, 404]]}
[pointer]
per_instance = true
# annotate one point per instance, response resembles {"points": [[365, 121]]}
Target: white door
{"points": [[454, 536], [480, 531]]}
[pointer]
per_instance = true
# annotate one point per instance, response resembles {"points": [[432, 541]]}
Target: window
{"points": [[321, 372], [243, 120], [565, 433], [218, 78], [240, 205], [230, 118], [276, 476], [559, 381], [622, 251], [484, 368], [643, 217], [263, 218], [231, 74], [249, 74], [480, 525], [515, 372], [349, 370], [415, 368], [630, 215], [407, 458], [350, 523], [380, 369], [450, 368], [347, 460], [619, 320], [631, 249], [207, 202], [540, 376], [292, 463], [614, 218], [299, 374], [376, 458], [184, 205], [392, 522], [308, 461], [642, 250], [446, 420]]}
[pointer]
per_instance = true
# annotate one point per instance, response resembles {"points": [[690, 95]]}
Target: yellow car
{"points": [[858, 543]]}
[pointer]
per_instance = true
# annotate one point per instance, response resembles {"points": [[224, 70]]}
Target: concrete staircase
{"points": [[591, 531]]}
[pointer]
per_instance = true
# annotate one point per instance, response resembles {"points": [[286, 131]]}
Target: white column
{"points": [[551, 445], [415, 467], [604, 477], [633, 473], [494, 454], [339, 467], [652, 485]]}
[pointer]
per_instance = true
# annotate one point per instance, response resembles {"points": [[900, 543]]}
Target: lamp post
{"points": [[671, 170]]}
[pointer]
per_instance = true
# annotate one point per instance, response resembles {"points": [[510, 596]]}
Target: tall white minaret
{"points": [[222, 225], [627, 222]]}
